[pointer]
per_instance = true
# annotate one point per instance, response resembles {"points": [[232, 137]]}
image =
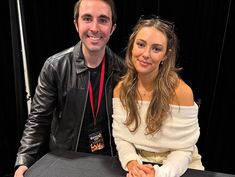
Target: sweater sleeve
{"points": [[126, 149], [175, 164], [183, 132]]}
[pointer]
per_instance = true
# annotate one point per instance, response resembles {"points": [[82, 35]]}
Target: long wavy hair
{"points": [[164, 84]]}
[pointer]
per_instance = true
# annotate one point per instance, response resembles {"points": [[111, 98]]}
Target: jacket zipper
{"points": [[107, 110], [79, 131]]}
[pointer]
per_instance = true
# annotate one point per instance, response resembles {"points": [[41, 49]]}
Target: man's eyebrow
{"points": [[86, 15]]}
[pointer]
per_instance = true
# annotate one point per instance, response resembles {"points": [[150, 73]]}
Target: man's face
{"points": [[94, 25]]}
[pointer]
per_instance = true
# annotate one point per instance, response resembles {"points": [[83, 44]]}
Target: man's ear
{"points": [[113, 29], [75, 24]]}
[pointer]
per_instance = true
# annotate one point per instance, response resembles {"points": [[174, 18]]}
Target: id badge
{"points": [[96, 141]]}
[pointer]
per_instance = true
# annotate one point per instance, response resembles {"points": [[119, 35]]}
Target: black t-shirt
{"points": [[101, 119]]}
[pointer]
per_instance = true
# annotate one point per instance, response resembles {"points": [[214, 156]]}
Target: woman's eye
{"points": [[140, 45], [156, 49]]}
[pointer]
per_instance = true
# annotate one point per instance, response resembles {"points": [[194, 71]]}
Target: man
{"points": [[72, 106]]}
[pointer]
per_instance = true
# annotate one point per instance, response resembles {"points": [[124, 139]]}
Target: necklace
{"points": [[145, 90], [145, 93]]}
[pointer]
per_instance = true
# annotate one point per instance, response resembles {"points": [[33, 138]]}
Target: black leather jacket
{"points": [[59, 103]]}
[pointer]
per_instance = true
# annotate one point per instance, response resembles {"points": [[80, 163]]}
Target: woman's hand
{"points": [[146, 170], [130, 165]]}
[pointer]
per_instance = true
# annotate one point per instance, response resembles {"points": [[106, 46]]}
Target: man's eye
{"points": [[103, 20], [86, 19]]}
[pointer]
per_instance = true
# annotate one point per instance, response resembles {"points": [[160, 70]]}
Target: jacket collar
{"points": [[79, 60]]}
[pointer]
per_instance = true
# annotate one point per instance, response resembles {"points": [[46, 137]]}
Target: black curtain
{"points": [[13, 103], [219, 126], [205, 32]]}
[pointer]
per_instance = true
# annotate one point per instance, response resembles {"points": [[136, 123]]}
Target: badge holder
{"points": [[96, 141]]}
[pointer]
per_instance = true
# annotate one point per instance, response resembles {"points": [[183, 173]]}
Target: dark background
{"points": [[204, 28]]}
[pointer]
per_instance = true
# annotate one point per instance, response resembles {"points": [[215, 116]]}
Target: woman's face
{"points": [[148, 51]]}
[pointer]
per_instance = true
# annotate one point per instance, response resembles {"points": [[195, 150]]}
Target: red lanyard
{"points": [[101, 86]]}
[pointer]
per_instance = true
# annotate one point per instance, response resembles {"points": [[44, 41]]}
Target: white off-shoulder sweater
{"points": [[174, 146]]}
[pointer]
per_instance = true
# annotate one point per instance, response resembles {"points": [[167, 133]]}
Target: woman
{"points": [[155, 117]]}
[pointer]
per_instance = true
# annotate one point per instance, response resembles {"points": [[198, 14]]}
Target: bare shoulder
{"points": [[116, 90], [184, 94]]}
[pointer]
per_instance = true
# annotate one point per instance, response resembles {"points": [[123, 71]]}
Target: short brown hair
{"points": [[109, 2]]}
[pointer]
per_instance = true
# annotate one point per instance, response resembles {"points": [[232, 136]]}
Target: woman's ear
{"points": [[164, 58], [168, 53]]}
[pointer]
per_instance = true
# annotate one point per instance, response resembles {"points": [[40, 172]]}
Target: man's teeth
{"points": [[95, 38]]}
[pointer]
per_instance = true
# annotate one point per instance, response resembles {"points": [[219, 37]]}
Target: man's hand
{"points": [[20, 171]]}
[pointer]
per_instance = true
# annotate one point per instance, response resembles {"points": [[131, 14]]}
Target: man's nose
{"points": [[95, 26]]}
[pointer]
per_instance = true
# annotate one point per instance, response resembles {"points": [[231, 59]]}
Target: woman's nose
{"points": [[146, 53]]}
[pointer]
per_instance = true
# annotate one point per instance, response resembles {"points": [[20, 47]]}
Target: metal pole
{"points": [[27, 84]]}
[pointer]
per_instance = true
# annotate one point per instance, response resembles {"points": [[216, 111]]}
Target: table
{"points": [[76, 164]]}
